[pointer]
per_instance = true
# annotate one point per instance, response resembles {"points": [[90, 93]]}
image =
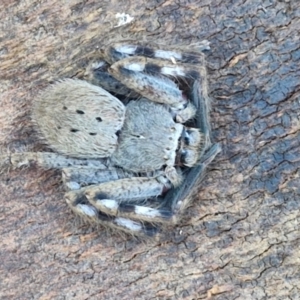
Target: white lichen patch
{"points": [[123, 19]]}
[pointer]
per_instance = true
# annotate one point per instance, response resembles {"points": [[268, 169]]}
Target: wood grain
{"points": [[240, 239]]}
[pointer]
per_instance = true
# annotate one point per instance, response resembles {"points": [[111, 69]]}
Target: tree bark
{"points": [[240, 238]]}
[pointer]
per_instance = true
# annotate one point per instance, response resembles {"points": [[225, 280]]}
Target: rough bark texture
{"points": [[240, 239]]}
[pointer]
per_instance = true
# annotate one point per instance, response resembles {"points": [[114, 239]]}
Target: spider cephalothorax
{"points": [[131, 144]]}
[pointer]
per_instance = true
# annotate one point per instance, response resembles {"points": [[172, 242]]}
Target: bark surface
{"points": [[240, 238]]}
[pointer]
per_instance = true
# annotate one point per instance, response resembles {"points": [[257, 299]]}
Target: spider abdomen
{"points": [[79, 119]]}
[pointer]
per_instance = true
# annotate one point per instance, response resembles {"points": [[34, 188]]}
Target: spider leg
{"points": [[77, 177], [81, 207], [113, 204], [97, 74], [186, 54], [201, 102], [142, 69], [149, 77], [177, 199], [195, 142], [116, 203], [46, 160]]}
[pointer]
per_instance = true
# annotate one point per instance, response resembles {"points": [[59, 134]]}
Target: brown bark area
{"points": [[240, 239]]}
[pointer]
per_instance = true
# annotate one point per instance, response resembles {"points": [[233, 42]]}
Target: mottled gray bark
{"points": [[240, 239]]}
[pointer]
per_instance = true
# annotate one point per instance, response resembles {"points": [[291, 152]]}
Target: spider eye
{"points": [[183, 156], [192, 137], [188, 157], [187, 138]]}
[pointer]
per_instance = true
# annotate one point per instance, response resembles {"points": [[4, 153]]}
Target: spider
{"points": [[132, 140]]}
